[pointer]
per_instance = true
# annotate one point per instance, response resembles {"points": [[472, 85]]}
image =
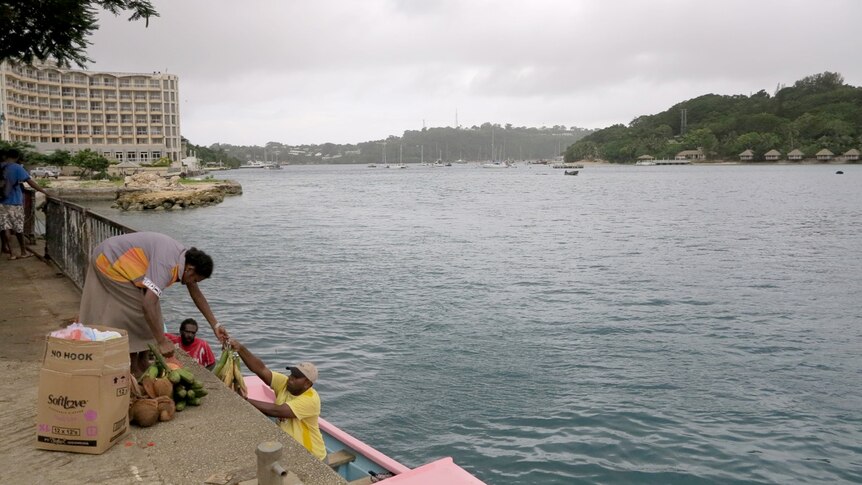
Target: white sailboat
{"points": [[400, 158], [493, 163]]}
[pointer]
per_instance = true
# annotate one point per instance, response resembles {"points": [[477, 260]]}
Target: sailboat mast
{"points": [[492, 144]]}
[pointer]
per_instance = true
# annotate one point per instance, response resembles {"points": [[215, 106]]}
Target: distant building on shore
{"points": [[795, 155], [127, 117], [692, 155], [824, 155], [772, 155]]}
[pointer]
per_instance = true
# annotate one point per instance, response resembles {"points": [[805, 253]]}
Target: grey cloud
{"points": [[393, 60]]}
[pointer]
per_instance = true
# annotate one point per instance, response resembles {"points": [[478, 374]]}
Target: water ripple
{"points": [[674, 325]]}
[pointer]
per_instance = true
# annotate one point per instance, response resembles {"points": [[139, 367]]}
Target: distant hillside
{"points": [[817, 112], [448, 144]]}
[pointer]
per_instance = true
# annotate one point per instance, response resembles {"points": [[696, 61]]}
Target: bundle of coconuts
{"points": [[151, 401]]}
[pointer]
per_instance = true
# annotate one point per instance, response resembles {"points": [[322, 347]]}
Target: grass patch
{"points": [[206, 180], [86, 184]]}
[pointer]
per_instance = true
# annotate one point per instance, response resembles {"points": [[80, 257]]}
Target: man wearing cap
{"points": [[297, 405]]}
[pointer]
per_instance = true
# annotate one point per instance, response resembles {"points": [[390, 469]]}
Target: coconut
{"points": [[167, 408], [163, 387], [145, 412], [135, 389], [149, 385]]}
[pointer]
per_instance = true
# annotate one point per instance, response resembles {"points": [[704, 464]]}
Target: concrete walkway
{"points": [[217, 439]]}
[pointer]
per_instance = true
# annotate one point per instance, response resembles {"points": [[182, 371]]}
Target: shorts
{"points": [[12, 217]]}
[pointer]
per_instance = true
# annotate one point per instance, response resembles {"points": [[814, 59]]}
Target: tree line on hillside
{"points": [[817, 112], [485, 142], [211, 155]]}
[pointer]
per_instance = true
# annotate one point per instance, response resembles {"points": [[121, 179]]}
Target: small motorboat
{"points": [[570, 172]]}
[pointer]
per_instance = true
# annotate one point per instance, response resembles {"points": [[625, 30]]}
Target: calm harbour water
{"points": [[686, 325]]}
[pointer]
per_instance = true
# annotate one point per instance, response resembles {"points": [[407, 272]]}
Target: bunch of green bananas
{"points": [[188, 390], [229, 370]]}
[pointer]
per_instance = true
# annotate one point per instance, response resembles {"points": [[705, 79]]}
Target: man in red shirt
{"points": [[196, 348]]}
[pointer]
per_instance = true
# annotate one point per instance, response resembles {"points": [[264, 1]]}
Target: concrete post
{"points": [[269, 471]]}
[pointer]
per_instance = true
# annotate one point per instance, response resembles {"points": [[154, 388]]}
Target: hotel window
{"points": [[118, 156]]}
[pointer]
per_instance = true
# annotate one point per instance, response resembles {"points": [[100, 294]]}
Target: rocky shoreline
{"points": [[145, 192]]}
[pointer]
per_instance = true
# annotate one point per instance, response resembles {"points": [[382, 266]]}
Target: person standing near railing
{"points": [[124, 284], [12, 175]]}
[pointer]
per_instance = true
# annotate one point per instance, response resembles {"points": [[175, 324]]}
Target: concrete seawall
{"points": [[214, 441]]}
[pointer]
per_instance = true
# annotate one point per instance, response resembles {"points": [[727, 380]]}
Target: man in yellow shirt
{"points": [[297, 405]]}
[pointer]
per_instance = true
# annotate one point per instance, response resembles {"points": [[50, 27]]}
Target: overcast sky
{"points": [[346, 71]]}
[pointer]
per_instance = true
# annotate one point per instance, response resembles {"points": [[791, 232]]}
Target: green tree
{"points": [[59, 158], [759, 143], [581, 150], [58, 29], [820, 82], [701, 138], [92, 164], [31, 156]]}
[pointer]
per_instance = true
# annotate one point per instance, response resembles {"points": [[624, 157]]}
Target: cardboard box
{"points": [[83, 403]]}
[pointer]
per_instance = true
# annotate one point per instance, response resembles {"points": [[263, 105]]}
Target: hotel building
{"points": [[124, 116]]}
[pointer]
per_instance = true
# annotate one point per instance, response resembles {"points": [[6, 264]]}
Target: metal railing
{"points": [[71, 233]]}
